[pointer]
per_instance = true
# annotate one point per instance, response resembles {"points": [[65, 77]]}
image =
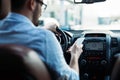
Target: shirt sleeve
{"points": [[55, 58]]}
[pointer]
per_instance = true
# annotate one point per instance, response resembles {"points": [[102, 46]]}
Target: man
{"points": [[19, 28]]}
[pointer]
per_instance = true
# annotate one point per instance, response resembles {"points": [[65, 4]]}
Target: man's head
{"points": [[4, 8], [28, 8]]}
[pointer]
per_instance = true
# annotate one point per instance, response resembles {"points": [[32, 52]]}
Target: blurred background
{"points": [[102, 15]]}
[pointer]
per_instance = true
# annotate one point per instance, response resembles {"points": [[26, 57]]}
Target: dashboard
{"points": [[99, 51], [96, 56]]}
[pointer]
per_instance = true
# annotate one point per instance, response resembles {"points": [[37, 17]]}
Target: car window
{"points": [[102, 16]]}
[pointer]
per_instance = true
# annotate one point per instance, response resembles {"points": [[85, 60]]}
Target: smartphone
{"points": [[80, 41]]}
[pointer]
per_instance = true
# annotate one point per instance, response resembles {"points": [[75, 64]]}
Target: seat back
{"points": [[21, 63], [115, 75]]}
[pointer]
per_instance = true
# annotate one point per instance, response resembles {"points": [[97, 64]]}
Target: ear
{"points": [[31, 4]]}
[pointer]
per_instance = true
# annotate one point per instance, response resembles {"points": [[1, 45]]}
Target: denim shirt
{"points": [[18, 29]]}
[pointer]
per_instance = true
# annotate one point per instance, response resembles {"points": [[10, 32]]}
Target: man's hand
{"points": [[75, 51], [52, 27]]}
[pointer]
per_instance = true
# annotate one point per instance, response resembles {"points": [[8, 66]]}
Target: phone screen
{"points": [[80, 41]]}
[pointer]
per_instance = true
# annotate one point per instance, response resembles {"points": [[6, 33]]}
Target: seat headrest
{"points": [[4, 10], [21, 63]]}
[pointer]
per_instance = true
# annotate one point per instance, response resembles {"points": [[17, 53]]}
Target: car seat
{"points": [[21, 63]]}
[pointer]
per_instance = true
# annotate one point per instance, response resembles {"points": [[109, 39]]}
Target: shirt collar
{"points": [[19, 17]]}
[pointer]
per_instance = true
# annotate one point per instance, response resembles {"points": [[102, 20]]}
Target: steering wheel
{"points": [[62, 38]]}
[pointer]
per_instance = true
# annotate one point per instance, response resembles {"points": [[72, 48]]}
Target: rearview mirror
{"points": [[87, 1]]}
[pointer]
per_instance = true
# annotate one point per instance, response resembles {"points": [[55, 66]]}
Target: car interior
{"points": [[100, 59], [101, 49]]}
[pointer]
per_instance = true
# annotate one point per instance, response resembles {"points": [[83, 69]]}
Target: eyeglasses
{"points": [[44, 6]]}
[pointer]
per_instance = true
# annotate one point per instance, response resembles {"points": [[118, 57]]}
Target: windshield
{"points": [[101, 16]]}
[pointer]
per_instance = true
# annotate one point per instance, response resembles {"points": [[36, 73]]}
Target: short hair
{"points": [[17, 4]]}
